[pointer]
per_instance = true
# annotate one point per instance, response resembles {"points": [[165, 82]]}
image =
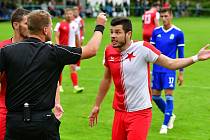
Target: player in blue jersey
{"points": [[168, 39]]}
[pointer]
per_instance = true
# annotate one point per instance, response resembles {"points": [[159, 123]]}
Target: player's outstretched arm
{"points": [[103, 89], [178, 63], [92, 46]]}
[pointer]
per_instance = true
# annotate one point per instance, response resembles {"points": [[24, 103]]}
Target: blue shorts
{"points": [[162, 81]]}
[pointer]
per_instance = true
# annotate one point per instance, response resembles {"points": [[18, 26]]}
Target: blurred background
{"points": [[90, 8]]}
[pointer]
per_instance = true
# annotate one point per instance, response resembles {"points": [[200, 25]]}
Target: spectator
{"points": [[198, 9]]}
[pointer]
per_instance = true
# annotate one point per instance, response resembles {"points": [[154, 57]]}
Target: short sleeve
{"points": [[151, 53], [57, 26], [153, 38], [68, 55], [105, 62]]}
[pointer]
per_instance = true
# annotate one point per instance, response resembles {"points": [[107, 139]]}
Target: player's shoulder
{"points": [[159, 28], [177, 28], [5, 42]]}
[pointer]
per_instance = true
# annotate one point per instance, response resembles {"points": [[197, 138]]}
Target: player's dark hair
{"points": [[18, 14], [163, 10], [125, 22], [155, 4]]}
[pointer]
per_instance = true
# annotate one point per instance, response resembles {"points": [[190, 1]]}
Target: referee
{"points": [[33, 68]]}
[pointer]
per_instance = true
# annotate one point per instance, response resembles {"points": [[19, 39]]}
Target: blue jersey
{"points": [[169, 42]]}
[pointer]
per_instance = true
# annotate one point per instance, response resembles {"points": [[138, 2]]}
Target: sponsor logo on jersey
{"points": [[159, 35]]}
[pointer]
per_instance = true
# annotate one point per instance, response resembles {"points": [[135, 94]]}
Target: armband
{"points": [[99, 28]]}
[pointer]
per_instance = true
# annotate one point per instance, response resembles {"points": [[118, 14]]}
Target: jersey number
{"points": [[147, 19]]}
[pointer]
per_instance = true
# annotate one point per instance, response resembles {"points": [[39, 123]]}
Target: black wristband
{"points": [[99, 28]]}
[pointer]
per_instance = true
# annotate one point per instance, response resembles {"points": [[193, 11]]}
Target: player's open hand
{"points": [[204, 53], [93, 118], [180, 79], [101, 19]]}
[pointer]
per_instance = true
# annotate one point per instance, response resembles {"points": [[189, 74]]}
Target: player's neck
{"points": [[40, 37], [126, 46], [166, 27], [17, 38]]}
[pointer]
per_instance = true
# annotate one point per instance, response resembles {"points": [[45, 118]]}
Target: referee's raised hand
{"points": [[101, 19]]}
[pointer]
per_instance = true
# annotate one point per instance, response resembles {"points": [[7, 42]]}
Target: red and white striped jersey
{"points": [[149, 21], [131, 75], [68, 32], [81, 25]]}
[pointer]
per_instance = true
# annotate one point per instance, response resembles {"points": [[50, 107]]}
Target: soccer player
{"points": [[31, 88], [20, 28], [150, 20], [67, 33], [168, 39], [127, 63], [81, 25]]}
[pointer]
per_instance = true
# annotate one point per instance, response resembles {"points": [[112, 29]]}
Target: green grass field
{"points": [[192, 100]]}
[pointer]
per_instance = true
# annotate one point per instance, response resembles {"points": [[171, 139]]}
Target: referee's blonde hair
{"points": [[37, 20]]}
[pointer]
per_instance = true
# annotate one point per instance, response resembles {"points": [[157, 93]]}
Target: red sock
{"points": [[74, 79], [78, 63], [60, 79]]}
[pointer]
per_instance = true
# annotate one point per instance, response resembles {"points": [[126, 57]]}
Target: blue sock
{"points": [[169, 109], [159, 102]]}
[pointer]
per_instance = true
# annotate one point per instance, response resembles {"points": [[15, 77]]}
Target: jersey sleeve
{"points": [[153, 38], [151, 53], [157, 15], [57, 26], [2, 60], [180, 45], [105, 62], [68, 55], [180, 39]]}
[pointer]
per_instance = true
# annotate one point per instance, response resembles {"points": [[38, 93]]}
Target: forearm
{"points": [[57, 96], [92, 46], [103, 89], [174, 64]]}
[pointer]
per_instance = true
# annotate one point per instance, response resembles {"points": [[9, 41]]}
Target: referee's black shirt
{"points": [[32, 70]]}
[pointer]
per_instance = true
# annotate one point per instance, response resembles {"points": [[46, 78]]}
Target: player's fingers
{"points": [[206, 47]]}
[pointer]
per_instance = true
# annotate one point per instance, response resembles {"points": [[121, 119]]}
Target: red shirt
{"points": [[3, 77], [149, 21]]}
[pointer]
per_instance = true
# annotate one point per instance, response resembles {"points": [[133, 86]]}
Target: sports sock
{"points": [[169, 109], [159, 102], [78, 63], [74, 79]]}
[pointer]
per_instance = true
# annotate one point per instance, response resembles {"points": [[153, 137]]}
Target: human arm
{"points": [[57, 33], [92, 46], [180, 78], [156, 20], [178, 63], [103, 89], [77, 40], [58, 110]]}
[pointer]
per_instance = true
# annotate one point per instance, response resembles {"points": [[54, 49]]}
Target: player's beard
{"points": [[120, 43], [23, 32]]}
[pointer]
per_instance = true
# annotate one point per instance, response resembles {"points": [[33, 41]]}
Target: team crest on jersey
{"points": [[130, 56], [159, 35], [172, 36]]}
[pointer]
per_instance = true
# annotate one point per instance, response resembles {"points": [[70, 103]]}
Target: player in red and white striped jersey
{"points": [[127, 63], [67, 33], [78, 19], [150, 20]]}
